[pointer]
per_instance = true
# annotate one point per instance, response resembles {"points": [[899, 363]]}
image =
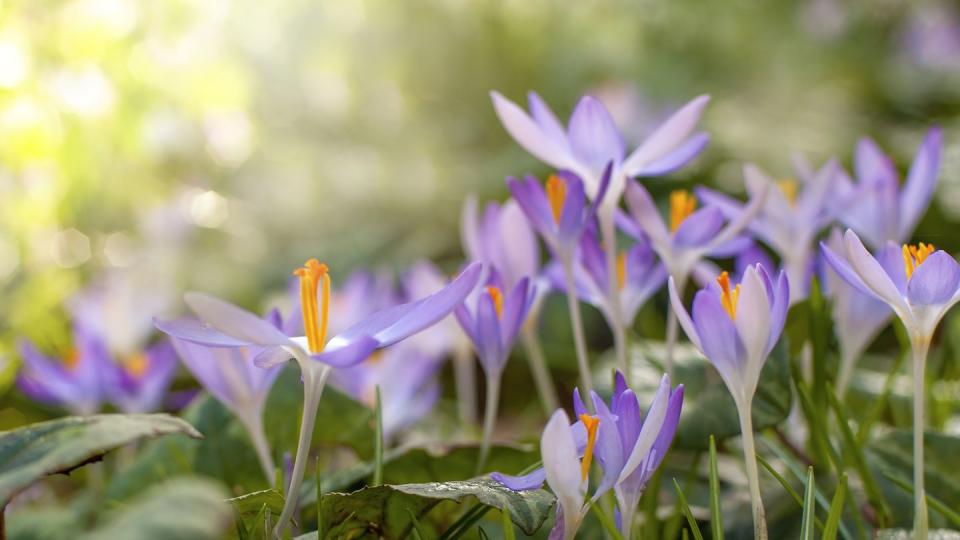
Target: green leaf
{"points": [[386, 510], [708, 407], [182, 508], [251, 507], [935, 504], [787, 487], [836, 510], [691, 521], [809, 508], [59, 446], [716, 521]]}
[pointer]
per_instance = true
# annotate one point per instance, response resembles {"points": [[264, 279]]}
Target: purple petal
{"points": [[490, 344], [698, 229], [533, 201], [872, 273], [515, 308], [233, 321], [676, 159], [843, 269], [683, 317], [350, 354], [550, 126], [194, 331], [646, 214], [891, 259], [718, 335], [872, 165], [521, 483], [571, 217], [628, 420], [935, 281], [271, 357], [666, 138], [921, 181], [528, 133], [593, 135]]}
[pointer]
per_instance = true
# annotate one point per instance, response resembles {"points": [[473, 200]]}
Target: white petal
{"points": [[560, 462], [233, 321], [651, 428], [753, 325], [872, 274]]}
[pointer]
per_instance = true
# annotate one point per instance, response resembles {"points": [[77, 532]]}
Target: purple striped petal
{"points": [[935, 281]]}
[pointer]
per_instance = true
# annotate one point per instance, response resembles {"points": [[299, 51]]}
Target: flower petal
{"points": [[700, 228], [666, 138], [594, 137], [521, 483], [560, 462], [349, 354], [233, 321], [721, 342], [841, 266], [550, 126], [528, 133], [872, 273], [194, 331], [676, 159], [921, 181], [935, 281], [682, 316], [753, 325], [651, 427], [647, 215]]}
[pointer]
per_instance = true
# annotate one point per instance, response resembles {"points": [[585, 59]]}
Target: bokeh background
{"points": [[216, 145]]}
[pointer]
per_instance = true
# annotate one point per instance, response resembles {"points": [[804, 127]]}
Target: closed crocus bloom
{"points": [[857, 316], [736, 327], [920, 284], [566, 472], [501, 238], [793, 214], [876, 206], [138, 383]]}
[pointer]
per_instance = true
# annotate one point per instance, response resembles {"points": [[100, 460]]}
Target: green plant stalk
{"points": [[680, 280], [809, 509], [538, 366], [952, 515], [316, 471], [608, 525], [787, 487], [836, 510], [314, 379], [489, 419], [920, 346], [465, 380], [716, 522], [254, 426], [608, 232], [579, 340], [691, 521], [753, 476], [508, 532], [378, 441]]}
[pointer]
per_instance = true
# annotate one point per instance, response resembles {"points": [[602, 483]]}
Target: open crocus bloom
{"points": [[736, 327], [790, 219], [691, 234], [592, 140], [919, 283], [560, 212], [228, 325], [139, 382], [877, 207], [628, 446], [494, 321]]}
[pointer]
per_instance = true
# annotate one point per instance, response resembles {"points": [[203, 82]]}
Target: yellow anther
{"points": [[682, 204], [591, 423], [314, 315], [136, 365], [556, 195], [790, 188], [72, 359], [728, 298], [497, 296], [621, 269], [914, 255]]}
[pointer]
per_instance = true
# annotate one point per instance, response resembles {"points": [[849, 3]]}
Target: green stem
{"points": [[579, 341], [538, 367], [465, 379], [753, 476], [254, 426], [609, 233], [920, 524], [672, 326], [314, 379], [489, 419], [378, 442]]}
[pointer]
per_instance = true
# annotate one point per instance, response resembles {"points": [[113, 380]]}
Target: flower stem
{"points": [[579, 341], [609, 233], [671, 339], [753, 476], [847, 362], [538, 367], [920, 525], [314, 379], [489, 418], [254, 426], [465, 379]]}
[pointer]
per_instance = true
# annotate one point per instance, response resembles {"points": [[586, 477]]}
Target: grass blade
{"points": [[936, 504], [415, 526], [809, 509], [836, 510], [788, 488], [605, 520], [694, 528], [508, 532], [716, 523]]}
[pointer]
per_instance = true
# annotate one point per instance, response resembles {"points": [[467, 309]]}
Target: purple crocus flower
{"points": [[628, 449], [857, 316], [920, 284], [559, 213], [592, 140], [494, 321], [74, 382], [736, 328], [639, 276], [228, 325], [139, 383], [876, 207], [229, 374], [790, 219], [408, 385]]}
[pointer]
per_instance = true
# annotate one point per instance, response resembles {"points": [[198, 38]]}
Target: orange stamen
{"points": [[914, 255], [314, 316], [497, 296], [682, 204], [621, 269], [136, 365], [728, 298], [591, 423], [72, 359], [556, 195], [790, 189]]}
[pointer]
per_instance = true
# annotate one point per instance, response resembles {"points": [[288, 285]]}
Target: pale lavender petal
{"points": [[571, 217], [719, 337], [921, 181], [646, 214], [753, 321], [872, 274], [195, 331], [271, 357], [578, 406], [547, 120], [682, 316], [490, 344], [533, 200], [700, 228], [779, 308], [651, 427], [891, 259], [517, 243], [350, 354], [516, 306], [560, 461], [528, 133], [935, 281], [666, 138], [594, 137], [871, 164], [233, 321], [842, 267], [521, 483], [608, 449], [676, 159]]}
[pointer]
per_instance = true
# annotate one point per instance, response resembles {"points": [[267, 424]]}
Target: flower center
{"points": [[790, 188], [556, 195], [682, 204], [314, 315], [497, 296], [914, 255], [591, 423], [136, 365], [728, 298], [72, 359], [621, 269]]}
